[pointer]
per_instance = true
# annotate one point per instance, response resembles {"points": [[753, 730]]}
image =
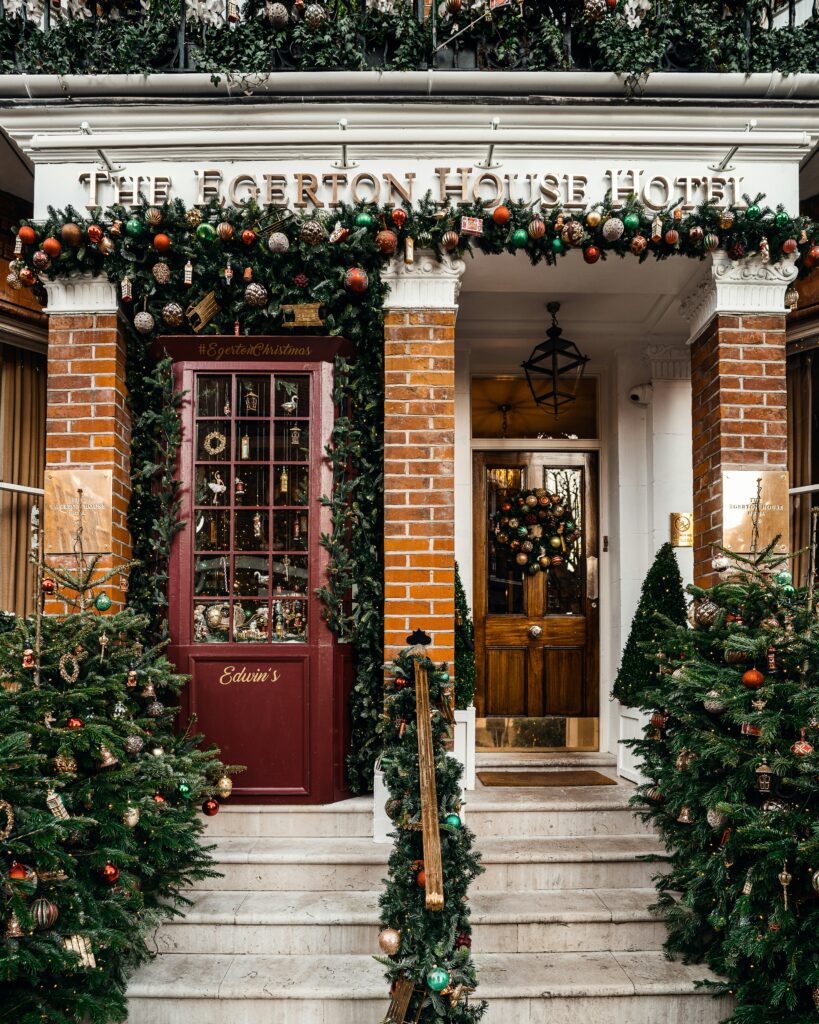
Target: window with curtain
{"points": [[22, 461], [803, 453]]}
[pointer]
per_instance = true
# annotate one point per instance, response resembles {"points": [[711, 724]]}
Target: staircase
{"points": [[561, 927]]}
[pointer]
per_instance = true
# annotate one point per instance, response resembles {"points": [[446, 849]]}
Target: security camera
{"points": [[640, 394]]}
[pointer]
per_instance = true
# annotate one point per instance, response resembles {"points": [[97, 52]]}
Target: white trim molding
{"points": [[425, 283], [752, 285], [669, 362], [81, 293]]}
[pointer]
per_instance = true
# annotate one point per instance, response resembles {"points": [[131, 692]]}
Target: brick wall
{"points": [[88, 423], [419, 463], [739, 415]]}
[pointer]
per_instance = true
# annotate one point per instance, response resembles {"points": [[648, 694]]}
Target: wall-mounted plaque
{"points": [[682, 529], [754, 509], [62, 504]]}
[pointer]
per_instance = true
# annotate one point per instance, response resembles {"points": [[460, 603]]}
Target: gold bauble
{"points": [[224, 787], [65, 763], [193, 218], [389, 941], [593, 218]]}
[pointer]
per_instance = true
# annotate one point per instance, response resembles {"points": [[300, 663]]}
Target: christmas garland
{"points": [[634, 37], [251, 261]]}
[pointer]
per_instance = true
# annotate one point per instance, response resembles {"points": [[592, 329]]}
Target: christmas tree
{"points": [[464, 647], [662, 595], [731, 768], [427, 943], [99, 796]]}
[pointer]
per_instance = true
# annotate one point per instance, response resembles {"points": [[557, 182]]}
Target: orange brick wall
{"points": [[419, 466], [88, 424], [740, 417]]}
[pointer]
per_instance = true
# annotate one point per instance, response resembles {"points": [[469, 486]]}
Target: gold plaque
{"points": [[62, 507], [754, 509], [682, 529]]}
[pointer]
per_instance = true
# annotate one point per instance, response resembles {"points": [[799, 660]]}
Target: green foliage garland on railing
{"points": [[152, 248]]}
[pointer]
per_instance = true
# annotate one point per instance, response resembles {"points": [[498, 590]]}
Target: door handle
{"points": [[535, 632], [592, 577]]}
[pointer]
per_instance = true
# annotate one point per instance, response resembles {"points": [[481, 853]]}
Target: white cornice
{"points": [[742, 286], [669, 362], [81, 293], [425, 283]]}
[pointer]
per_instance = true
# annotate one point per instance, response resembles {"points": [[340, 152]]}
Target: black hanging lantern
{"points": [[555, 367]]}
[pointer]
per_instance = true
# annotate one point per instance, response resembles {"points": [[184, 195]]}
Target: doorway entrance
{"points": [[536, 632]]}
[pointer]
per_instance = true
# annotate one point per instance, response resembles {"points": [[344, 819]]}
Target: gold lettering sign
{"points": [[252, 350], [754, 509], [243, 674], [682, 529], [62, 504]]}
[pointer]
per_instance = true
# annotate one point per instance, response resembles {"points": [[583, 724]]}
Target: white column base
{"points": [[464, 749]]}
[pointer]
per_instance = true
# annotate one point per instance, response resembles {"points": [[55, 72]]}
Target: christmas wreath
{"points": [[536, 529]]}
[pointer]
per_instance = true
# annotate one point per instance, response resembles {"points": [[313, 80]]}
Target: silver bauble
{"points": [[314, 15], [312, 231], [133, 744], [173, 314], [389, 941], [256, 295], [161, 272], [713, 703], [154, 709], [277, 15], [715, 818], [613, 229], [143, 322], [130, 816], [278, 242]]}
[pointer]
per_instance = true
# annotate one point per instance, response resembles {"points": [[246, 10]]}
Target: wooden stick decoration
{"points": [[399, 1004], [433, 867]]}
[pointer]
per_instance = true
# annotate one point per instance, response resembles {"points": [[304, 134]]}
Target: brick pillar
{"points": [[738, 386], [88, 425], [419, 454]]}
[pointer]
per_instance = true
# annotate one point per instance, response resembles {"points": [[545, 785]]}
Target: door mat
{"points": [[579, 777]]}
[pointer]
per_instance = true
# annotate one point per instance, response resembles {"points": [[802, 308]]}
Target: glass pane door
{"points": [[251, 498], [505, 590]]}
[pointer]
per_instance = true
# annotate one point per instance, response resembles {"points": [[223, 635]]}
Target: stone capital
{"points": [[751, 285], [427, 283], [80, 293]]}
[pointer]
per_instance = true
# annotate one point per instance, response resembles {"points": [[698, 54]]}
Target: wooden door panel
{"points": [[505, 675], [564, 679]]}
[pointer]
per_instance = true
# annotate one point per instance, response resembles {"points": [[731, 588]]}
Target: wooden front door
{"points": [[536, 636]]}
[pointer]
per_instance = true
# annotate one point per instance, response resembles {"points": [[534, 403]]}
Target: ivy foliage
{"points": [[730, 761], [632, 38]]}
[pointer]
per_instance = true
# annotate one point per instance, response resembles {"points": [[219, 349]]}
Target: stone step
{"points": [[512, 865], [558, 988], [499, 759], [329, 923], [346, 818]]}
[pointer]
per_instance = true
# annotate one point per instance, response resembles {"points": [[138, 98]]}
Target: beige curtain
{"points": [[800, 456], [22, 461]]}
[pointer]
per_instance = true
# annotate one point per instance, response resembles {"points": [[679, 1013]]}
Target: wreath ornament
{"points": [[535, 529], [215, 443]]}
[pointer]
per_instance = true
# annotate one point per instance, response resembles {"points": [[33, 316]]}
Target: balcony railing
{"points": [[258, 36]]}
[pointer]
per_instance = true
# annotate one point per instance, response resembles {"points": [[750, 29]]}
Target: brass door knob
{"points": [[535, 632]]}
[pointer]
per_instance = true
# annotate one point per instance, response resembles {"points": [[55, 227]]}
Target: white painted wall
{"points": [[463, 468]]}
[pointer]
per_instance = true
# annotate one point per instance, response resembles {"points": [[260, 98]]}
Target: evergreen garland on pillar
{"points": [[464, 647], [431, 948], [731, 764], [662, 600]]}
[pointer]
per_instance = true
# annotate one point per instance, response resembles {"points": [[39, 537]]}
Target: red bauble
{"points": [[387, 242], [399, 216], [672, 236], [162, 242], [28, 277], [591, 254], [463, 941], [301, 280], [753, 679], [421, 879], [110, 873], [737, 251], [501, 215], [248, 237], [210, 807], [158, 798], [356, 280], [48, 586], [52, 246], [74, 723], [94, 233], [789, 246], [811, 257], [537, 227], [18, 871], [27, 235]]}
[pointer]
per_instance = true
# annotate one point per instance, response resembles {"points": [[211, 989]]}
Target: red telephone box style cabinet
{"points": [[269, 683]]}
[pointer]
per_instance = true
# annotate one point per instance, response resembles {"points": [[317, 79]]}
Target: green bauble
{"points": [[206, 232], [453, 820], [442, 677], [570, 525], [363, 219], [557, 246], [784, 578], [438, 979], [782, 219], [788, 590], [184, 790], [522, 531], [133, 227], [102, 602], [753, 212], [519, 237], [631, 221]]}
